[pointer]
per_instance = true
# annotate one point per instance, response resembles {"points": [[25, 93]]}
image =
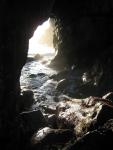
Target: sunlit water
{"points": [[39, 78], [35, 76]]}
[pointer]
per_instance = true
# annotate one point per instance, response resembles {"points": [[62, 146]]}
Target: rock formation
{"points": [[84, 38]]}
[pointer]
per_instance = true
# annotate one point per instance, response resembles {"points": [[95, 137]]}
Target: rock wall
{"points": [[18, 21], [85, 30], [84, 39]]}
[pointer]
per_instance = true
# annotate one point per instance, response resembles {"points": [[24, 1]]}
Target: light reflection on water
{"points": [[35, 74], [36, 77]]}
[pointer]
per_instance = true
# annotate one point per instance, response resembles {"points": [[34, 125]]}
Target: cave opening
{"points": [[65, 109], [41, 45], [36, 73]]}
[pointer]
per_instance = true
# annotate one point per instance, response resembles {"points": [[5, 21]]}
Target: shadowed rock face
{"points": [[18, 22], [80, 115], [85, 30], [78, 124], [86, 37]]}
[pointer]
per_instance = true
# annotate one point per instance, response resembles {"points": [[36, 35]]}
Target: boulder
{"points": [[77, 114], [38, 57], [27, 99], [48, 136], [105, 114], [32, 120], [97, 139]]}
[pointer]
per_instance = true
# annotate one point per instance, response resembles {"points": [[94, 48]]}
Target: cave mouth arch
{"points": [[41, 43], [41, 51]]}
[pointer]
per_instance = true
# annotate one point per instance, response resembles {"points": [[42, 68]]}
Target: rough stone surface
{"points": [[84, 38], [33, 120], [52, 136], [97, 139]]}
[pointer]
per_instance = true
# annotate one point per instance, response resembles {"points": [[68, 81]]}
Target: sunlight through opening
{"points": [[42, 41]]}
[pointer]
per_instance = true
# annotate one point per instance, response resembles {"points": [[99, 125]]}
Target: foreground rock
{"points": [[48, 136], [82, 115], [38, 57], [75, 124], [32, 121], [78, 114], [95, 140]]}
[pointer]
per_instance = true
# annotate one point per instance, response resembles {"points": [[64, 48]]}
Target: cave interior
{"points": [[83, 39]]}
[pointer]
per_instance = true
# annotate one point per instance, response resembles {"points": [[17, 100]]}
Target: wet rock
{"points": [[94, 140], [63, 97], [97, 139], [49, 109], [106, 111], [61, 75], [33, 120], [109, 96], [78, 114], [61, 85], [27, 100], [38, 57], [52, 121], [41, 74], [29, 59], [105, 114], [52, 136], [32, 75]]}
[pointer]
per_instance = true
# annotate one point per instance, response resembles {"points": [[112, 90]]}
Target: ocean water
{"points": [[36, 76]]}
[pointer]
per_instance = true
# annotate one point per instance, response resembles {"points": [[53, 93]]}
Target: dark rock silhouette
{"points": [[83, 37]]}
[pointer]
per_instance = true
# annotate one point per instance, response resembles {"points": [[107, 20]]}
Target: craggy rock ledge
{"points": [[77, 119]]}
